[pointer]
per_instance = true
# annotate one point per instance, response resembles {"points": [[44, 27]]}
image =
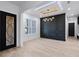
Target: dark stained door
{"points": [[8, 30], [60, 27], [71, 29]]}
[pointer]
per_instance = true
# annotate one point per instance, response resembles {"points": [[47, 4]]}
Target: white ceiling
{"points": [[33, 11], [18, 3], [26, 5]]}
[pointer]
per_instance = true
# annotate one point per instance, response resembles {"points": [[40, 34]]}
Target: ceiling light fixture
{"points": [[72, 14], [49, 19], [69, 8]]}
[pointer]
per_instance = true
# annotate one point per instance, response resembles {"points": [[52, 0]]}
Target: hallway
{"points": [[45, 48]]}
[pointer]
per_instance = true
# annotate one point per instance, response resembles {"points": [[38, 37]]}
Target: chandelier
{"points": [[48, 19]]}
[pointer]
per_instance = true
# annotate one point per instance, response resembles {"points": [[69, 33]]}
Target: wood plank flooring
{"points": [[45, 48]]}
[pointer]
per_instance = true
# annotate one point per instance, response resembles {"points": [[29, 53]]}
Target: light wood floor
{"points": [[45, 48]]}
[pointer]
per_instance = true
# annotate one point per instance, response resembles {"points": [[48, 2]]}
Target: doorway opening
{"points": [[71, 29], [71, 33]]}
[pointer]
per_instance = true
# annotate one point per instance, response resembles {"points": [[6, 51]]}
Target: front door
{"points": [[8, 30]]}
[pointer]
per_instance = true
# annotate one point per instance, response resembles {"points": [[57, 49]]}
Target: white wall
{"points": [[26, 37], [72, 20], [8, 7], [72, 15]]}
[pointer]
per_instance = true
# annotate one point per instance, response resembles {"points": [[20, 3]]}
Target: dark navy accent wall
{"points": [[53, 29]]}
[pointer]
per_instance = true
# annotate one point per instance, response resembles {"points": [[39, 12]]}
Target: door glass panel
{"points": [[9, 30]]}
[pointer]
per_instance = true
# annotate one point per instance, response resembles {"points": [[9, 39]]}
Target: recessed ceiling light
{"points": [[69, 8], [72, 14]]}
